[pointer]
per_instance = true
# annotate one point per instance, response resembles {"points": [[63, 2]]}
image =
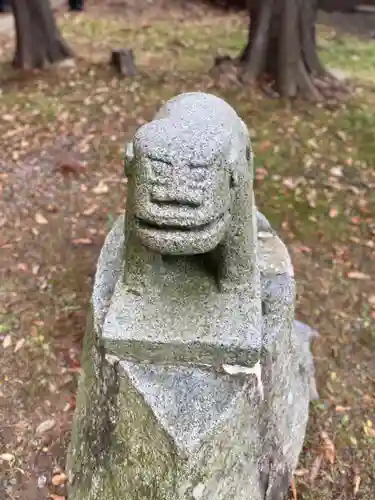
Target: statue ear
{"points": [[129, 157]]}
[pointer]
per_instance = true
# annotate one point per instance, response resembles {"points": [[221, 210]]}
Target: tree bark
{"points": [[39, 42], [282, 46]]}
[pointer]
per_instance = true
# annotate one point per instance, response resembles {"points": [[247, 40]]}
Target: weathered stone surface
{"points": [[186, 430]]}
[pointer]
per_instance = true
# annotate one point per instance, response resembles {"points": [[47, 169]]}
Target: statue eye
{"points": [[248, 153]]}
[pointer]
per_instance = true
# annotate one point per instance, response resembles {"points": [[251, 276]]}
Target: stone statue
{"points": [[196, 384], [190, 242]]}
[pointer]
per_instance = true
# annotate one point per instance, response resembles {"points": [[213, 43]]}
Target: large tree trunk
{"points": [[39, 42], [282, 46]]}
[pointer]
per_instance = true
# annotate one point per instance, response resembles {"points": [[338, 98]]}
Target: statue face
{"points": [[180, 207]]}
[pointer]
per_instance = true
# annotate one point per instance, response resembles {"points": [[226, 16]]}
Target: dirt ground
{"points": [[62, 136]]}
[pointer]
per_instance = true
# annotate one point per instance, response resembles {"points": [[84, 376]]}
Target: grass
{"points": [[354, 56], [315, 181], [177, 45]]}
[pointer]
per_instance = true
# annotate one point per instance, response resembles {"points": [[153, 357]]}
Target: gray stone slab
{"points": [[196, 326]]}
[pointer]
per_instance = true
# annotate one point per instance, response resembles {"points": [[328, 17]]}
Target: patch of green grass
{"points": [[5, 326], [360, 121], [354, 56], [191, 44], [174, 45]]}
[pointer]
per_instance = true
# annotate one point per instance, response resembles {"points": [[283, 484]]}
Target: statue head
{"points": [[182, 174]]}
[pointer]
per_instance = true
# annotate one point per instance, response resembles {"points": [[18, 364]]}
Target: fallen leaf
{"points": [[371, 300], [33, 331], [358, 275], [328, 448], [52, 208], [101, 188], [336, 171], [40, 219], [71, 404], [69, 165], [302, 249], [45, 426], [367, 398], [301, 472], [311, 196], [356, 483], [7, 457], [59, 479], [265, 145], [353, 440], [293, 489], [42, 481], [312, 143], [56, 497], [35, 269], [90, 210], [20, 343], [57, 470], [342, 409], [290, 183], [7, 341], [333, 212], [21, 266], [82, 241], [260, 173], [368, 429], [356, 480], [341, 135], [355, 240], [315, 468], [370, 432]]}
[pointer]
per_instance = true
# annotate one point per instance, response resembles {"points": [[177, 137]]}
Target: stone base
{"points": [[179, 433]]}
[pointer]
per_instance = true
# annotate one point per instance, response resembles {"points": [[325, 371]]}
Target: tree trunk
{"points": [[39, 42], [281, 45]]}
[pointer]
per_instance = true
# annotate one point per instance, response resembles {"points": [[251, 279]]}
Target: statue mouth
{"points": [[175, 239], [155, 226], [143, 224]]}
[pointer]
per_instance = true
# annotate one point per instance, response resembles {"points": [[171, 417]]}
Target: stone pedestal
{"points": [[157, 432]]}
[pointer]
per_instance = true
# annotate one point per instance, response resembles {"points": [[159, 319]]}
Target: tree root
{"points": [[316, 88]]}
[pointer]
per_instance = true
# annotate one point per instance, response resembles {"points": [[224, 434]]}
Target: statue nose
{"points": [[175, 187]]}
